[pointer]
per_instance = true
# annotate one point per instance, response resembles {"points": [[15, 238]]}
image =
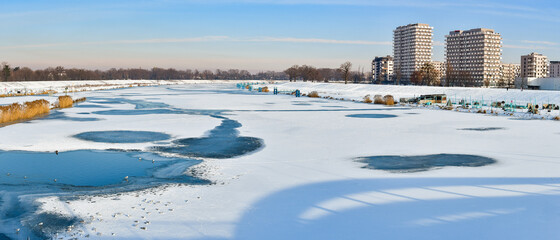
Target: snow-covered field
{"points": [[485, 96], [358, 91], [305, 182], [39, 87]]}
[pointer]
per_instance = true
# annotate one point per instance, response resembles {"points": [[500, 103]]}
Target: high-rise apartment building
{"points": [[382, 69], [554, 69], [534, 65], [474, 57], [508, 74], [412, 48]]}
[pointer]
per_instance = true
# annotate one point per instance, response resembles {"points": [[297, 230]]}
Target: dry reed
{"points": [[378, 99], [367, 99], [313, 94], [28, 110], [64, 102], [389, 100], [79, 100]]}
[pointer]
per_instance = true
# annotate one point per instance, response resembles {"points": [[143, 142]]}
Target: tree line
{"points": [[310, 73], [60, 73]]}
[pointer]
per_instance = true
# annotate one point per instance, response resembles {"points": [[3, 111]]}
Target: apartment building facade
{"points": [[412, 48], [509, 72], [474, 57], [554, 69], [382, 69], [534, 65]]}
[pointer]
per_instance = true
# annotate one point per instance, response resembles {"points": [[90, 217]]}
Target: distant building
{"points": [[440, 67], [538, 83], [412, 48], [509, 72], [382, 69], [534, 65], [554, 69], [474, 57]]}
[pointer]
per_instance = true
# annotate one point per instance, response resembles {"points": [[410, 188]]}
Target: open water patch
{"points": [[371, 115], [85, 168], [423, 162], [138, 104], [482, 129], [333, 106], [301, 104], [221, 142], [135, 112], [58, 115], [123, 136], [89, 106], [87, 171]]}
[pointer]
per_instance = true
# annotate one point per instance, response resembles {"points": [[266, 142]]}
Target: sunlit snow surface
{"points": [[237, 165]]}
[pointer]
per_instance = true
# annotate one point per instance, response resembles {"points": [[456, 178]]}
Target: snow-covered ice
{"points": [[305, 182]]}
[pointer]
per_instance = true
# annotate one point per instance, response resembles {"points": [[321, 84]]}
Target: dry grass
{"points": [[378, 99], [557, 118], [389, 100], [79, 100], [64, 102], [265, 89], [313, 94], [28, 110], [367, 99]]}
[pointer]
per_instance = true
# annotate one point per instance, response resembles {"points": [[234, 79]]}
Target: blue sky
{"points": [[254, 35]]}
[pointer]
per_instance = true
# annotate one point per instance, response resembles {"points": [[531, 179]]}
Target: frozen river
{"points": [[208, 161]]}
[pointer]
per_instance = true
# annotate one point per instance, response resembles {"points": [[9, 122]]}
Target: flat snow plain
{"points": [[306, 182]]}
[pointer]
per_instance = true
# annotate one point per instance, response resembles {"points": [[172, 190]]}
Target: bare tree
{"points": [[6, 71], [450, 76], [345, 69], [292, 72], [430, 75], [398, 75], [416, 77]]}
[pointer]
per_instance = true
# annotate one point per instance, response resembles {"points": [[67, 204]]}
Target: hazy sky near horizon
{"points": [[254, 35]]}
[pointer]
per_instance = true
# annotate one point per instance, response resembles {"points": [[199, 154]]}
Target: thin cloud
{"points": [[318, 40], [540, 42], [523, 47], [203, 39]]}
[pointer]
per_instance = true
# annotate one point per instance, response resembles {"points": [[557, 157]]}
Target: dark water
{"points": [[138, 104], [423, 162], [371, 115], [482, 129], [301, 104], [89, 106], [83, 168], [333, 106], [70, 172], [222, 142], [58, 115], [123, 136]]}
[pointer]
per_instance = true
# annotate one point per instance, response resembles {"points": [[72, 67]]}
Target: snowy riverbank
{"points": [[358, 91], [487, 96], [37, 87]]}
